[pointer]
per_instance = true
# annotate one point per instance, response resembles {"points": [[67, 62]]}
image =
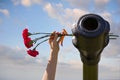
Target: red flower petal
{"points": [[25, 33], [28, 42], [33, 53]]}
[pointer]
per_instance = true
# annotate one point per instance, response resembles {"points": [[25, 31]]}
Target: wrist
{"points": [[55, 50], [53, 56]]}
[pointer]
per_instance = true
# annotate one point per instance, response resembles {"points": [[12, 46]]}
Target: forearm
{"points": [[51, 66]]}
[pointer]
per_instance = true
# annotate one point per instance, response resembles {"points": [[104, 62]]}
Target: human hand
{"points": [[54, 41], [54, 44]]}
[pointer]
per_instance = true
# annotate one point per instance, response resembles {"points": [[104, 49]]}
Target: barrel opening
{"points": [[90, 24]]}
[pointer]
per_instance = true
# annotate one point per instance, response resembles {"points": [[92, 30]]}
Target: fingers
{"points": [[61, 38], [64, 32], [53, 37]]}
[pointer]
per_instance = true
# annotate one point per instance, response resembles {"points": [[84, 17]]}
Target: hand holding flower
{"points": [[54, 44], [52, 37]]}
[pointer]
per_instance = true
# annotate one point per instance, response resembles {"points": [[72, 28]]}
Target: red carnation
{"points": [[33, 53], [25, 33], [28, 42]]}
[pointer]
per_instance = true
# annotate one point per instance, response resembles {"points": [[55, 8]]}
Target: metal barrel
{"points": [[91, 36]]}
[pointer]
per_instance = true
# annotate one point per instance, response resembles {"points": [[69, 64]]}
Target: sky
{"points": [[49, 16]]}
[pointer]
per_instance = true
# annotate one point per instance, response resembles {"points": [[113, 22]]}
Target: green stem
{"points": [[48, 34], [41, 43], [41, 38], [114, 35], [51, 33], [40, 33], [113, 38], [35, 40]]}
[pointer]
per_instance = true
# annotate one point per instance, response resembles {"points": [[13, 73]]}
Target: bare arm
{"points": [[50, 71]]}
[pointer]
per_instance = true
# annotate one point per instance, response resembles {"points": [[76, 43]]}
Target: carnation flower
{"points": [[33, 52], [28, 42], [25, 33]]}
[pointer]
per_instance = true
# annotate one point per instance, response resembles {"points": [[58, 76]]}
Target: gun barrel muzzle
{"points": [[91, 36]]}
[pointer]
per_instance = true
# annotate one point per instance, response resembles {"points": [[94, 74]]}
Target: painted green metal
{"points": [[90, 72], [91, 36]]}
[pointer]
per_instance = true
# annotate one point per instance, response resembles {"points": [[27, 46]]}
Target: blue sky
{"points": [[47, 16]]}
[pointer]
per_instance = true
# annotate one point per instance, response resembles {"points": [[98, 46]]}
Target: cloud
{"points": [[101, 4], [79, 3], [5, 12], [101, 1], [8, 53], [115, 27], [107, 16], [26, 3], [76, 64], [65, 16], [51, 11], [109, 69], [15, 59], [18, 56], [69, 16], [16, 64], [86, 4], [112, 50]]}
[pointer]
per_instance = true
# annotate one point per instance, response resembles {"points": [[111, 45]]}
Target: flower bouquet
{"points": [[28, 42]]}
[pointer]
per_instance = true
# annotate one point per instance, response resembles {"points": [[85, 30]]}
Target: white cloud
{"points": [[101, 4], [75, 64], [5, 12], [79, 3], [51, 11], [107, 16], [14, 60], [101, 1], [66, 16], [37, 1], [26, 3], [112, 50], [109, 69]]}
